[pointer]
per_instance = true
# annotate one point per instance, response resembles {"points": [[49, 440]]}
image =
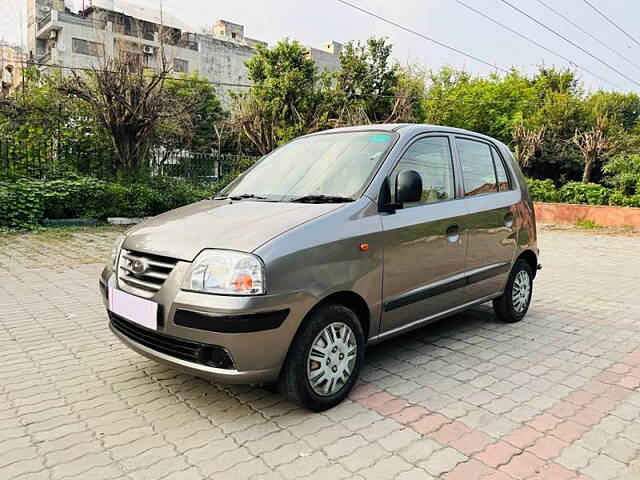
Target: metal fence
{"points": [[199, 166], [53, 159], [49, 157]]}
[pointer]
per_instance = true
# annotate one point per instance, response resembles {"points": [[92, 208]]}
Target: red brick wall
{"points": [[602, 215]]}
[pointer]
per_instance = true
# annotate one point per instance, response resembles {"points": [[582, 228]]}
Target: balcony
{"points": [[45, 21], [76, 20], [45, 59]]}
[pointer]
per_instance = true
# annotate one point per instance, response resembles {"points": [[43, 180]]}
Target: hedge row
{"points": [[25, 203], [582, 193]]}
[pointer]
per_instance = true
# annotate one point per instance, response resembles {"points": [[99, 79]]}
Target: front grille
{"points": [[211, 355], [155, 275], [160, 342]]}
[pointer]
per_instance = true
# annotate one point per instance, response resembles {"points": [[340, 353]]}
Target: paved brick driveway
{"points": [[556, 396]]}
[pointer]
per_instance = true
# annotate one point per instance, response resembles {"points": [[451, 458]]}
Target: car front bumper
{"points": [[256, 341]]}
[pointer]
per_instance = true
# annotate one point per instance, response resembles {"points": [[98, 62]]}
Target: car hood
{"points": [[242, 225]]}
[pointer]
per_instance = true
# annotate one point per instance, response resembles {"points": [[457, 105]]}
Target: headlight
{"points": [[226, 272], [115, 251]]}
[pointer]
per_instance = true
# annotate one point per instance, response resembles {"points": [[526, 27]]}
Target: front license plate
{"points": [[138, 310]]}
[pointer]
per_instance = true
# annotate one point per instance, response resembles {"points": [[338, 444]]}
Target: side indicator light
{"points": [[364, 247]]}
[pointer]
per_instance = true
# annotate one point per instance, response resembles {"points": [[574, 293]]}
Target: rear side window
{"points": [[431, 158], [478, 172], [501, 172]]}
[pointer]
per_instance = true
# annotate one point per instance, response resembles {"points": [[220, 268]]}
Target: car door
{"points": [[424, 242], [491, 204]]}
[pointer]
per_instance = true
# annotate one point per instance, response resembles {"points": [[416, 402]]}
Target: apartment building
{"points": [[58, 36], [13, 55]]}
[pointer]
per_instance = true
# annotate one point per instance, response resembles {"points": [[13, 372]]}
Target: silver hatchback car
{"points": [[332, 242]]}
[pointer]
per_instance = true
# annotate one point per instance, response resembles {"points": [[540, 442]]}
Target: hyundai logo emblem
{"points": [[139, 266]]}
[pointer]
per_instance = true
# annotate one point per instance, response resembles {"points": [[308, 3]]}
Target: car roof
{"points": [[412, 129]]}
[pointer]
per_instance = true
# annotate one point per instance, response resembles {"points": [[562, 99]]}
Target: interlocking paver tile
{"points": [[523, 465], [553, 397], [469, 470], [472, 442], [442, 461], [575, 457], [603, 467], [430, 423], [497, 454]]}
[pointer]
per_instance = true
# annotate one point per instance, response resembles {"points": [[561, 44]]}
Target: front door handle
{"points": [[453, 233], [508, 220]]}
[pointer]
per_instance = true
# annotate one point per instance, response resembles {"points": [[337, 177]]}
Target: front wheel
{"points": [[512, 306], [324, 359]]}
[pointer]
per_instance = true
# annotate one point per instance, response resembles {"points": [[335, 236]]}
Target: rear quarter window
{"points": [[504, 183]]}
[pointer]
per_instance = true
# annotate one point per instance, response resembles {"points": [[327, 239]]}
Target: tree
{"points": [[526, 142], [623, 173], [48, 132], [592, 143], [199, 133], [559, 109], [489, 105], [284, 100], [129, 101], [368, 81], [622, 108], [551, 79]]}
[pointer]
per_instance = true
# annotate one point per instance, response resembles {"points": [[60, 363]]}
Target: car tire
{"points": [[309, 361], [512, 306]]}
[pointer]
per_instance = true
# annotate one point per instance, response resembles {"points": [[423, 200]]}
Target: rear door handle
{"points": [[453, 233]]}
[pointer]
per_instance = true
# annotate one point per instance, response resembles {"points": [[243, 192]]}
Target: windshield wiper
{"points": [[322, 199], [240, 197]]}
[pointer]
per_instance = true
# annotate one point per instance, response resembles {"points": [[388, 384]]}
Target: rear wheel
{"points": [[512, 306], [324, 359]]}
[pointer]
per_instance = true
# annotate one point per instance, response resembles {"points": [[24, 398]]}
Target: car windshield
{"points": [[329, 167]]}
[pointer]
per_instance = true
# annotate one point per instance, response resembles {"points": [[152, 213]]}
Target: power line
{"points": [[406, 29], [535, 42], [611, 22], [588, 33], [569, 41]]}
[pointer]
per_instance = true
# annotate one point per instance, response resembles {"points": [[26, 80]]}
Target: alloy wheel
{"points": [[521, 291], [331, 358]]}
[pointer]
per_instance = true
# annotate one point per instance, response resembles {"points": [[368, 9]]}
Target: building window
{"points": [[180, 66], [86, 47], [234, 35]]}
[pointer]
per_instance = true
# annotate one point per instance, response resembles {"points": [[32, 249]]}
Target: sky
{"points": [[314, 22]]}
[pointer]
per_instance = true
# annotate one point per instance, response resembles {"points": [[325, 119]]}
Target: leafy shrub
{"points": [[25, 203], [581, 193], [623, 173], [542, 190], [620, 199], [67, 198], [585, 193], [21, 204]]}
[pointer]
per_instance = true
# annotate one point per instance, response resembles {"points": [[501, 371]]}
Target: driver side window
{"points": [[431, 158]]}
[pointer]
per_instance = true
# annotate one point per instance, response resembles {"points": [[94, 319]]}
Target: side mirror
{"points": [[408, 186]]}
